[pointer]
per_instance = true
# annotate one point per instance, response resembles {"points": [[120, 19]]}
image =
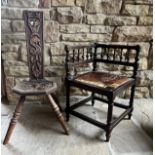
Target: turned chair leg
{"points": [[109, 118], [131, 101], [58, 114], [14, 119], [67, 102], [93, 102], [57, 101]]}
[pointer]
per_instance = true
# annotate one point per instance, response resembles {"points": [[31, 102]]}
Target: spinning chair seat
{"points": [[35, 87], [103, 79]]}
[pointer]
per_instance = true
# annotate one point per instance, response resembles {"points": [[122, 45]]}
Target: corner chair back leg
{"points": [[93, 101], [131, 100]]}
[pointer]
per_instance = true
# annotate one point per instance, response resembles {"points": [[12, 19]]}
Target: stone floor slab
{"points": [[39, 133]]}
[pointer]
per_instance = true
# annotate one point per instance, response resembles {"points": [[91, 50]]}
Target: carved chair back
{"points": [[34, 43]]}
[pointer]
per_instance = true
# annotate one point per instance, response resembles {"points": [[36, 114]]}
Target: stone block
{"points": [[145, 20], [144, 78], [75, 28], [51, 31], [5, 26], [18, 26], [76, 43], [67, 15], [54, 71], [86, 37], [11, 13], [142, 92], [95, 18], [102, 29], [120, 20], [133, 33], [57, 49], [144, 47], [135, 10], [10, 82], [104, 6], [17, 13], [11, 63], [58, 60], [150, 11], [46, 13], [10, 48], [62, 2], [81, 2], [143, 63], [23, 52], [46, 53], [10, 56], [139, 1], [16, 71], [44, 4], [21, 3], [53, 14], [13, 37]]}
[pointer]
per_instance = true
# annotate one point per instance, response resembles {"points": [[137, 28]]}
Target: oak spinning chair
{"points": [[101, 83], [36, 85]]}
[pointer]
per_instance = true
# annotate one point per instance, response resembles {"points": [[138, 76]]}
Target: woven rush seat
{"points": [[103, 79]]}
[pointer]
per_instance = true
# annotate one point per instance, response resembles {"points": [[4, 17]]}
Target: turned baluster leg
{"points": [[57, 101], [109, 118], [67, 101], [58, 113], [131, 101], [93, 102], [14, 119]]}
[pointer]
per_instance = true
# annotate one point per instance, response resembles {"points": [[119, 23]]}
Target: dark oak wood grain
{"points": [[104, 84]]}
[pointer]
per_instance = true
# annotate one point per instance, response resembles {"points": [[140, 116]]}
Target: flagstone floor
{"points": [[39, 133]]}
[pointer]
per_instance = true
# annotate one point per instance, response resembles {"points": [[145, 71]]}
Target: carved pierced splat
{"points": [[34, 37]]}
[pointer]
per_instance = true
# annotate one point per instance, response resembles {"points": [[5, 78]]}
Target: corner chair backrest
{"points": [[116, 54], [126, 55]]}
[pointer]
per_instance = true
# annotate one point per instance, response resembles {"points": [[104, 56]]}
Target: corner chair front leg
{"points": [[131, 100], [109, 118]]}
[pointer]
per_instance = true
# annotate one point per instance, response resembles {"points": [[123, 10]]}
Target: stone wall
{"points": [[76, 22]]}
